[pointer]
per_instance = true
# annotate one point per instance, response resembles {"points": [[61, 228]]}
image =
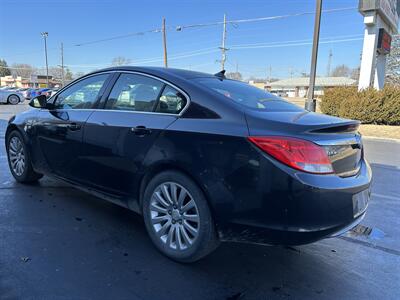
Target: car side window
{"points": [[134, 92], [81, 95], [171, 101]]}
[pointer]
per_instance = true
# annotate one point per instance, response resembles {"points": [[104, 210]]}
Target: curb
{"points": [[372, 138]]}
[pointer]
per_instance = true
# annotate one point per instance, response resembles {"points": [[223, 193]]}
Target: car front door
{"points": [[59, 130], [118, 137]]}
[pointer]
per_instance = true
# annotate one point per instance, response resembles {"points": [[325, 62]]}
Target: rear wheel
{"points": [[19, 160], [13, 99], [178, 218]]}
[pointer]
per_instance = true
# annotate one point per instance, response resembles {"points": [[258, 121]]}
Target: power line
{"points": [[179, 28], [303, 40], [239, 47], [118, 37], [214, 50]]}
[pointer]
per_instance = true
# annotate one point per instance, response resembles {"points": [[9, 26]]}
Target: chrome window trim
{"points": [[117, 110]]}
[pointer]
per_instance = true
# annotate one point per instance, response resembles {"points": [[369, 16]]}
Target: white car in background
{"points": [[11, 96]]}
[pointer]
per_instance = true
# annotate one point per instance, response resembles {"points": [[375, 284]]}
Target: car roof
{"points": [[159, 71]]}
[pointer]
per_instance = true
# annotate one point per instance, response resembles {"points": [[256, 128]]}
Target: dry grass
{"points": [[381, 131], [371, 130]]}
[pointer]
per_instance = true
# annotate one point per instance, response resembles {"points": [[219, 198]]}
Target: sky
{"points": [[276, 47]]}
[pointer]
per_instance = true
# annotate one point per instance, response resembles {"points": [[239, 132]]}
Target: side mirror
{"points": [[39, 102]]}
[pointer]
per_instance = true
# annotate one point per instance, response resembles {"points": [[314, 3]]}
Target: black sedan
{"points": [[203, 158]]}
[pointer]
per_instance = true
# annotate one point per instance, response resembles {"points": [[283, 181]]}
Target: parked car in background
{"points": [[279, 93], [203, 158], [26, 92], [11, 96], [33, 93], [45, 91], [54, 91]]}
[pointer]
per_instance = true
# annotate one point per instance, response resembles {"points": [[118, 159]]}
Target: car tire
{"points": [[13, 99], [19, 160], [182, 229]]}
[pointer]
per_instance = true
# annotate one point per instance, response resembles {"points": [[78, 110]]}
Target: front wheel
{"points": [[13, 99], [19, 160], [178, 218]]}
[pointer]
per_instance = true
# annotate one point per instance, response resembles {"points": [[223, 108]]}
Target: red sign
{"points": [[384, 41]]}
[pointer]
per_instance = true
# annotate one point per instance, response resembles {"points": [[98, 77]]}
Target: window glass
{"points": [[134, 92], [81, 95], [248, 95], [171, 101]]}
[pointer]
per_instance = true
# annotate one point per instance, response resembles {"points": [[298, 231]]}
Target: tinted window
{"points": [[248, 95], [134, 92], [81, 95], [171, 101]]}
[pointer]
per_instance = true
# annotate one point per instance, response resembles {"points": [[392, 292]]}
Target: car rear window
{"points": [[247, 95]]}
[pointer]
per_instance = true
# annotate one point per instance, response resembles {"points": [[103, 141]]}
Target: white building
{"points": [[298, 87]]}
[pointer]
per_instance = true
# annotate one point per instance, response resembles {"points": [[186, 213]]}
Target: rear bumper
{"points": [[314, 207], [259, 235]]}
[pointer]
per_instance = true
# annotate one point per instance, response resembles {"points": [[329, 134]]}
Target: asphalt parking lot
{"points": [[59, 243]]}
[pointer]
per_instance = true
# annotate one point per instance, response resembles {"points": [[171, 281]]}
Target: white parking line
{"points": [[385, 196]]}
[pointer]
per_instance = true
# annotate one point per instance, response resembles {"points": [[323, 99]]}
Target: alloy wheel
{"points": [[13, 99], [174, 216], [17, 155]]}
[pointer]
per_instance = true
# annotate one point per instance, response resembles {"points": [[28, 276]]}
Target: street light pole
{"points": [[310, 102], [45, 35]]}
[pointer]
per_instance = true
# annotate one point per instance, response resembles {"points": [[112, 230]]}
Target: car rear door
{"points": [[118, 137], [59, 131]]}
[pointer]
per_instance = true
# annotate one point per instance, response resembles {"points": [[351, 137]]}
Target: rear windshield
{"points": [[247, 95]]}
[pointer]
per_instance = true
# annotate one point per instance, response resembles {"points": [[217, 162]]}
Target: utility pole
{"points": [[328, 67], [310, 102], [223, 49], [164, 43], [270, 73], [291, 72], [62, 64], [45, 35]]}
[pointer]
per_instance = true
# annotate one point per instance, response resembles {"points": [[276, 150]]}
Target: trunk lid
{"points": [[339, 137]]}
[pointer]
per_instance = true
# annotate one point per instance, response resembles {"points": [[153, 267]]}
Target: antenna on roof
{"points": [[220, 74]]}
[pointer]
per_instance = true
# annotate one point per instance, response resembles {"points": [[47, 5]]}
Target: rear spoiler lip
{"points": [[319, 129]]}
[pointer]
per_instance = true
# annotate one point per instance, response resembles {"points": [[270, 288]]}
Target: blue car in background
{"points": [[33, 93], [45, 91]]}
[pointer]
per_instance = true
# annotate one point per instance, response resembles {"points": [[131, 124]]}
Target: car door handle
{"points": [[74, 127], [141, 130]]}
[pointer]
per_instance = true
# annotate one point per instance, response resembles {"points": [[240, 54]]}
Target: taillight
{"points": [[296, 153]]}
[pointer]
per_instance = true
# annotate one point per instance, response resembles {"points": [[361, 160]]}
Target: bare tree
{"points": [[393, 62], [78, 74], [234, 75], [341, 71], [67, 74], [55, 72], [23, 70], [355, 74], [120, 61]]}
